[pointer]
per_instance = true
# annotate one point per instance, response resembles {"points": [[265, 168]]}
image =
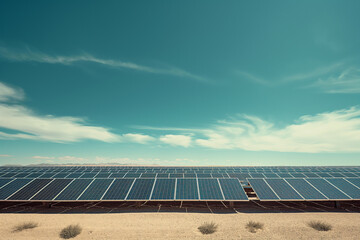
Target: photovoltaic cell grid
{"points": [[85, 183]]}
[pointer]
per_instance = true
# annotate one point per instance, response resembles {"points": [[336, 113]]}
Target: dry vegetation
{"points": [[23, 226], [70, 231], [253, 226], [208, 228], [320, 226]]}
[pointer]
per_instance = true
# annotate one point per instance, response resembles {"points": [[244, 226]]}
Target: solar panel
{"points": [[355, 181], [30, 189], [141, 190], [164, 189], [327, 189], [186, 189], [346, 187], [103, 175], [4, 181], [283, 190], [74, 175], [209, 189], [52, 189], [117, 175], [119, 189], [305, 189], [74, 190], [262, 189], [232, 189], [96, 189]]}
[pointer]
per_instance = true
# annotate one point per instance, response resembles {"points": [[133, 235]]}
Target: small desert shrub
{"points": [[253, 226], [70, 231], [320, 226], [208, 228], [24, 226]]}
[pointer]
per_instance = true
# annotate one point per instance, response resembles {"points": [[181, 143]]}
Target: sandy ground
{"points": [[182, 225]]}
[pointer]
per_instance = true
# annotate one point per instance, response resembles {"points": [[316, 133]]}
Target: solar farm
{"points": [[135, 183]]}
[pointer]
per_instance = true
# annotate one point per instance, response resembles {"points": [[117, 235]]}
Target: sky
{"points": [[180, 83]]}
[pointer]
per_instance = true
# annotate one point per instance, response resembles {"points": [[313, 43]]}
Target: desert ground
{"points": [[101, 222]]}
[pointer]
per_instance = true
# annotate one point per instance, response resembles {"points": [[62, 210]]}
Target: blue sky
{"points": [[180, 82]]}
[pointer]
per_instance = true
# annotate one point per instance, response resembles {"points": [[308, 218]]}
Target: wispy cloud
{"points": [[251, 77], [337, 131], [176, 140], [348, 81], [28, 55], [32, 126], [137, 138], [315, 73], [339, 77], [8, 93], [5, 155]]}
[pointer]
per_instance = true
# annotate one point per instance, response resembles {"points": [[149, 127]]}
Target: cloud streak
{"points": [[337, 131], [23, 123], [29, 55]]}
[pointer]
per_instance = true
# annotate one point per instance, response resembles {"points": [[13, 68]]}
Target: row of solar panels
{"points": [[307, 189], [180, 170], [120, 189], [241, 176]]}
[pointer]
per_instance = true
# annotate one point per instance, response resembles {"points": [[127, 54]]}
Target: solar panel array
{"points": [[113, 183]]}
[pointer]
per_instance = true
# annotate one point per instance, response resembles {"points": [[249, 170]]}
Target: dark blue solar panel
{"points": [[8, 175], [232, 189], [203, 175], [60, 175], [117, 175], [217, 175], [209, 189], [103, 175], [336, 174], [96, 189], [47, 175], [141, 189], [29, 190], [355, 181], [74, 175], [4, 181], [298, 175], [119, 189], [52, 190], [34, 175], [12, 187], [176, 175], [284, 175], [305, 189], [348, 174], [271, 175], [257, 175], [132, 175], [283, 189], [262, 190], [323, 174], [327, 189], [148, 175], [186, 189], [73, 191], [189, 175], [88, 175], [164, 189], [346, 187], [21, 175], [162, 175], [311, 175]]}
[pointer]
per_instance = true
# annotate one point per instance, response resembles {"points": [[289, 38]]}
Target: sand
{"points": [[182, 225]]}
